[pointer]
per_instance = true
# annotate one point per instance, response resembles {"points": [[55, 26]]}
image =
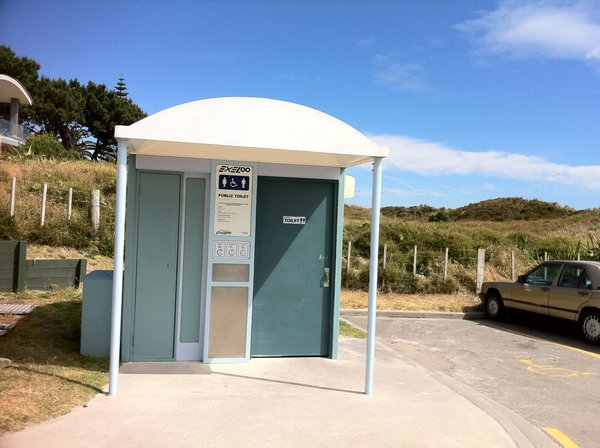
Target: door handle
{"points": [[326, 278], [545, 289], [583, 293]]}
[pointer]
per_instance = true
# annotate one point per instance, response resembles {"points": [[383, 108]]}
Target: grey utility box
{"points": [[96, 313]]}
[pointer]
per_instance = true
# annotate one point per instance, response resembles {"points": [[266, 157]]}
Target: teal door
{"points": [[156, 267], [293, 267]]}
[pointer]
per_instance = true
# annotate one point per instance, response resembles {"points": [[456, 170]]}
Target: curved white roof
{"points": [[250, 129], [11, 88]]}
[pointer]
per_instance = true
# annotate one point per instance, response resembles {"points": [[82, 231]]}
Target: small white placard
{"points": [[294, 220], [231, 249]]}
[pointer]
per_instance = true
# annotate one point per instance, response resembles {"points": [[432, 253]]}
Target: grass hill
{"points": [[496, 210], [511, 209]]}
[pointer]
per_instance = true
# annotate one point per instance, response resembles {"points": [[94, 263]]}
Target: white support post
{"points": [[117, 290], [545, 256], [446, 265], [375, 210], [13, 191], [43, 217], [70, 204], [578, 256]]}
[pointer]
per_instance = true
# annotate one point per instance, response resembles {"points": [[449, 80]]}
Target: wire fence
{"points": [[438, 269], [58, 196]]}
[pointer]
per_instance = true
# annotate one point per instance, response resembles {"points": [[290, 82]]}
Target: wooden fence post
{"points": [[44, 193], [349, 253], [384, 255], [480, 269], [446, 265], [13, 190], [70, 204], [415, 261], [95, 210], [512, 264]]}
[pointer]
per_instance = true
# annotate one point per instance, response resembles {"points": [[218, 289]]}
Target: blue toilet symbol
{"points": [[233, 183], [243, 183], [224, 182]]}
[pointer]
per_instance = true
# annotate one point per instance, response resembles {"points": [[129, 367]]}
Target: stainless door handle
{"points": [[326, 278]]}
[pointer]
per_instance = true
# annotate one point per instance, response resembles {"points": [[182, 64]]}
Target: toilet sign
{"points": [[294, 220], [233, 200]]}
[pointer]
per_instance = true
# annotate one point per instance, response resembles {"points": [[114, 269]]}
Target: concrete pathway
{"points": [[285, 402]]}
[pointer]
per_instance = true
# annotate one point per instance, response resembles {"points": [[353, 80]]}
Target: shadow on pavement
{"points": [[558, 331]]}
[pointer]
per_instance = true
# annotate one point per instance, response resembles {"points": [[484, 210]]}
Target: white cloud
{"points": [[398, 75], [436, 159], [549, 29]]}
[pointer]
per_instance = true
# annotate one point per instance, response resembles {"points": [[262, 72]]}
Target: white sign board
{"points": [[233, 200]]}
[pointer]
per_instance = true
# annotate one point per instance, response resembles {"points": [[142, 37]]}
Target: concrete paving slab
{"points": [[274, 402]]}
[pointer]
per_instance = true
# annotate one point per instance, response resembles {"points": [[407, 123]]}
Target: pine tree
{"points": [[121, 87]]}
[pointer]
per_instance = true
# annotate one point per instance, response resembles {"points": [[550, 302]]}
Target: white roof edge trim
{"points": [[15, 86], [263, 155], [245, 123]]}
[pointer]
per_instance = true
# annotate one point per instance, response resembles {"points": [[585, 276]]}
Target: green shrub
{"points": [[44, 146]]}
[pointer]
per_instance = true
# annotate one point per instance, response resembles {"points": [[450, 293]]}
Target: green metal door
{"points": [[156, 267], [293, 267]]}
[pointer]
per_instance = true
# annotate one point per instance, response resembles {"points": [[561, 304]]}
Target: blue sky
{"points": [[476, 99]]}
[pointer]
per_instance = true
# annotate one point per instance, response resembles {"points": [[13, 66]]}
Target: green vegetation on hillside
{"points": [[80, 175], [498, 210], [561, 232]]}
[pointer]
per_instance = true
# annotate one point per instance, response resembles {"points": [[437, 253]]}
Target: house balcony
{"points": [[11, 134]]}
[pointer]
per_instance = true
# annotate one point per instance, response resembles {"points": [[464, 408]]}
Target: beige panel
{"points": [[228, 319], [231, 272]]}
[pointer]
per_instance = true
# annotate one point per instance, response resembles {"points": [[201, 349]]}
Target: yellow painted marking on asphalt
{"points": [[560, 437], [585, 352], [551, 370]]}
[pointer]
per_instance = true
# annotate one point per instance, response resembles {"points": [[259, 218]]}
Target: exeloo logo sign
{"points": [[234, 169]]}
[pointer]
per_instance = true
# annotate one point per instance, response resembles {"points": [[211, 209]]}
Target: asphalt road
{"points": [[534, 366]]}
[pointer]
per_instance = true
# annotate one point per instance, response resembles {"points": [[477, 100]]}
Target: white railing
{"points": [[5, 130]]}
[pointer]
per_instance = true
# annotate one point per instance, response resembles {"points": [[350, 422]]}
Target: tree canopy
{"points": [[70, 111]]}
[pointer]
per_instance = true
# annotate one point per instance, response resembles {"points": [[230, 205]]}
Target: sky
{"points": [[475, 99]]}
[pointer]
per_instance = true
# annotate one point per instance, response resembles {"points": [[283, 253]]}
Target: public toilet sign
{"points": [[294, 220], [233, 200]]}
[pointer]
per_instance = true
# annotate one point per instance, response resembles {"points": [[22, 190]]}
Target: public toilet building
{"points": [[232, 231]]}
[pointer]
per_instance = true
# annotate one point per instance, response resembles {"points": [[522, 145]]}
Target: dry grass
{"points": [[94, 261], [412, 302], [48, 376]]}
